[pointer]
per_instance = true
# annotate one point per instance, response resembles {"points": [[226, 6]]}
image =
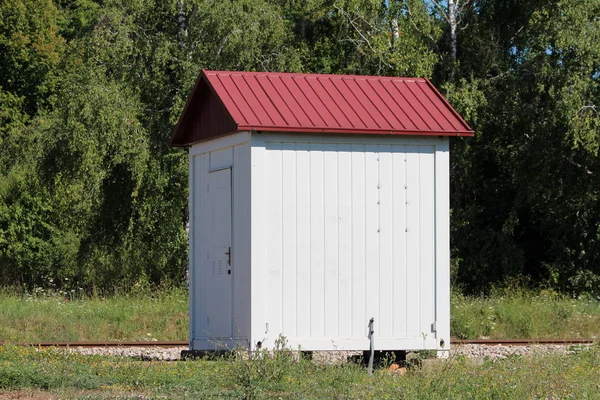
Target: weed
{"points": [[262, 368]]}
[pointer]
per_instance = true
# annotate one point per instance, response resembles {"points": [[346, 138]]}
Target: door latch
{"points": [[228, 254]]}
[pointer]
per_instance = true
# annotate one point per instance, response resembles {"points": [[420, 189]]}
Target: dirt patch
{"points": [[27, 395], [68, 394]]}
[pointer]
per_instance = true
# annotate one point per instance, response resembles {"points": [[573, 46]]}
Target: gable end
{"points": [[204, 117]]}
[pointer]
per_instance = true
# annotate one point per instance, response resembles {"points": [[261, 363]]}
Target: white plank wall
{"points": [[349, 235]]}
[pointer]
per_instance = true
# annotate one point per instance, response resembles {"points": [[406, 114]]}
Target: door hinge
{"points": [[433, 327]]}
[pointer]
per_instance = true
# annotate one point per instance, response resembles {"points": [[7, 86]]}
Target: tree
{"points": [[30, 50], [527, 199], [394, 38]]}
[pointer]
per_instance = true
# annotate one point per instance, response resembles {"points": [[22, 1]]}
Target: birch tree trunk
{"points": [[452, 21], [182, 21], [395, 31]]}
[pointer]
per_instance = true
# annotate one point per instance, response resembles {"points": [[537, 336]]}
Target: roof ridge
{"points": [[315, 75]]}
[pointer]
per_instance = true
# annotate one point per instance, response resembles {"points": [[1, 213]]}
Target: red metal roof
{"points": [[340, 104]]}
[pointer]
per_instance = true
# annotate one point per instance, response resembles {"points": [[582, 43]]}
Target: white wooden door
{"points": [[219, 276]]}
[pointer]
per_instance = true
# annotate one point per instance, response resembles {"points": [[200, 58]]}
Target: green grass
{"points": [[94, 377], [160, 316], [516, 314], [163, 315]]}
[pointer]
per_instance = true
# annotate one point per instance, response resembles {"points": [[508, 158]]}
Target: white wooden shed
{"points": [[318, 202]]}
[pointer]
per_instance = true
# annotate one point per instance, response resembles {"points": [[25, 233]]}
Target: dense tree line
{"points": [[91, 195]]}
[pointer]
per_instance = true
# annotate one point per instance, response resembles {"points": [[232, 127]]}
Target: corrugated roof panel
{"points": [[404, 123], [325, 97], [367, 111], [405, 90], [366, 121], [239, 101], [387, 116], [342, 104], [299, 89], [380, 112], [310, 87], [283, 88], [404, 106], [432, 110], [256, 107], [439, 104], [265, 101], [275, 97]]}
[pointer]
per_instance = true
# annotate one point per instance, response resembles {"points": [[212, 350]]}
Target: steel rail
{"points": [[170, 344], [522, 342], [164, 344]]}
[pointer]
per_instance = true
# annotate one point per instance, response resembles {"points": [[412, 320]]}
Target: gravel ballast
{"points": [[503, 351], [469, 350], [142, 353]]}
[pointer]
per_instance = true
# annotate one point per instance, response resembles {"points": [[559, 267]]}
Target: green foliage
{"points": [[30, 50], [353, 36], [90, 90], [525, 192], [94, 165]]}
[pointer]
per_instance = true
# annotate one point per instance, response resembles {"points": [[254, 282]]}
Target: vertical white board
{"points": [[386, 242], [303, 240], [427, 239], [359, 299], [400, 298], [274, 237], [289, 299], [317, 242], [372, 250], [331, 235], [344, 210]]}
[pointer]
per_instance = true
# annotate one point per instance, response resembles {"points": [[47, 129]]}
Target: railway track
{"points": [[161, 344], [171, 344], [521, 342]]}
